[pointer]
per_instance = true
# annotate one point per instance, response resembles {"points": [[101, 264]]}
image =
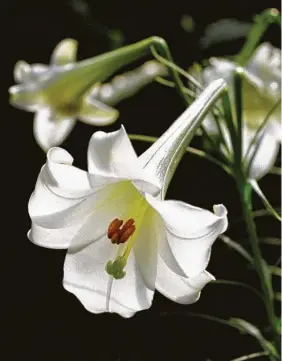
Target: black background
{"points": [[40, 320]]}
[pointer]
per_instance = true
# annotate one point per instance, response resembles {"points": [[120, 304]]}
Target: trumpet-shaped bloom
{"points": [[67, 90], [123, 240], [261, 93]]}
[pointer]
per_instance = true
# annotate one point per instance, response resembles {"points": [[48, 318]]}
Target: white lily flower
{"points": [[124, 241], [261, 91], [66, 90]]}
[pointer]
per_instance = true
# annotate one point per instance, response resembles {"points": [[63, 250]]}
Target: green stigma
{"points": [[115, 268]]}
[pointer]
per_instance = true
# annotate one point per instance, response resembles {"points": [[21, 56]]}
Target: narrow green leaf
{"points": [[268, 278], [239, 284], [237, 247], [255, 214], [261, 23], [251, 356], [259, 192], [271, 241], [248, 328], [276, 170], [276, 271], [238, 88], [243, 326]]}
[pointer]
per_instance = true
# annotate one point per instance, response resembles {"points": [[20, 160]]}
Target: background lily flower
{"points": [[261, 94], [65, 91], [124, 241]]}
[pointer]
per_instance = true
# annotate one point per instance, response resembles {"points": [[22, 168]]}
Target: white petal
{"points": [[56, 219], [94, 112], [69, 181], [266, 64], [21, 71], [220, 68], [38, 72], [210, 125], [24, 73], [27, 97], [275, 128], [59, 199], [59, 238], [145, 248], [86, 277], [179, 289], [190, 233], [65, 52], [51, 211], [49, 132], [112, 155], [265, 156]]}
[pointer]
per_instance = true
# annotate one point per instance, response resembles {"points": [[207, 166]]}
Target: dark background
{"points": [[40, 320]]}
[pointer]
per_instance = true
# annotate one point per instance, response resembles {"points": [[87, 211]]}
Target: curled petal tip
{"points": [[59, 155], [220, 210], [21, 70], [65, 52]]}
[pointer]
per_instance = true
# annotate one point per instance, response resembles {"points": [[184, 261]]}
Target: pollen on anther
{"points": [[114, 227], [127, 224], [125, 235], [115, 237], [118, 234]]}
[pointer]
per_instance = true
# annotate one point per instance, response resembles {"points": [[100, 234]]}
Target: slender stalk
{"points": [[239, 113], [236, 283], [161, 45], [262, 21], [251, 356], [171, 84], [275, 170], [245, 194]]}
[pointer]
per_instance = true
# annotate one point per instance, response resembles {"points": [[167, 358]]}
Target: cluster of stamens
{"points": [[119, 232]]}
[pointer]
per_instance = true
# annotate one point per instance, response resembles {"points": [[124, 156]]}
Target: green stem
{"points": [[162, 46], [240, 284], [171, 84], [262, 270], [275, 170], [239, 114], [106, 64], [262, 21], [251, 356]]}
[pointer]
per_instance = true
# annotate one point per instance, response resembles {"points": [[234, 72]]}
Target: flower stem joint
{"points": [[118, 233]]}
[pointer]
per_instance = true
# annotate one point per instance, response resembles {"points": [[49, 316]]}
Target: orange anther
{"points": [[127, 224], [124, 236], [113, 227], [115, 237]]}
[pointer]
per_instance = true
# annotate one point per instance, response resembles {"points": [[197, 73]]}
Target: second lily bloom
{"points": [[67, 90], [261, 113]]}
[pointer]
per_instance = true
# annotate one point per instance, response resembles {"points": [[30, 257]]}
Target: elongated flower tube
{"points": [[261, 99], [66, 89], [123, 239], [127, 84]]}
